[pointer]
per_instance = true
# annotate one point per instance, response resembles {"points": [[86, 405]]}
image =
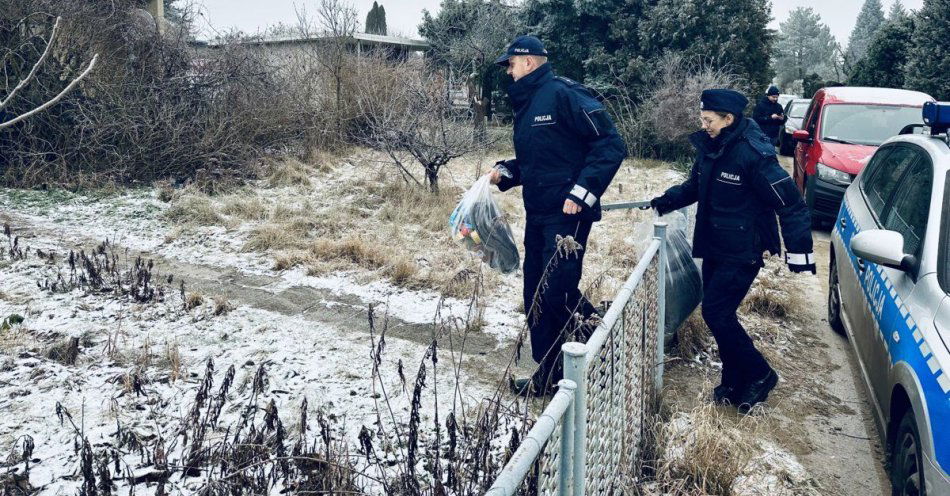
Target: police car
{"points": [[889, 290]]}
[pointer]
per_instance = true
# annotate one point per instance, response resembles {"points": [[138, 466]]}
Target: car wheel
{"points": [[834, 298], [816, 221], [907, 463]]}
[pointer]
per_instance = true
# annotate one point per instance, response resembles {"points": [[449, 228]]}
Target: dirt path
{"points": [[848, 456]]}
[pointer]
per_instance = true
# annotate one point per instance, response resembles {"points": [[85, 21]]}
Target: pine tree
{"points": [[870, 19], [381, 21], [884, 64], [370, 19], [928, 64], [897, 11], [376, 20], [567, 35], [727, 33], [805, 46]]}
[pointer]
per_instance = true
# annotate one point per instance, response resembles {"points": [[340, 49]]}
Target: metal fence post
{"points": [[575, 369], [659, 232], [566, 459]]}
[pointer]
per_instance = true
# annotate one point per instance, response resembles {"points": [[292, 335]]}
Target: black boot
{"points": [[726, 394], [757, 392]]}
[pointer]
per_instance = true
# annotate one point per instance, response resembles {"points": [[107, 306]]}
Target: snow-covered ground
{"points": [[326, 362], [140, 366]]}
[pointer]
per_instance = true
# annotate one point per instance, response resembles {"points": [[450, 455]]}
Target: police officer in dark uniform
{"points": [[739, 187], [567, 151], [769, 115]]}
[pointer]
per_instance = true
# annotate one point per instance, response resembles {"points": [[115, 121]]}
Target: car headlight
{"points": [[832, 175]]}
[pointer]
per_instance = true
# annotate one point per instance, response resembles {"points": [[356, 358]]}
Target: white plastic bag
{"points": [[479, 224]]}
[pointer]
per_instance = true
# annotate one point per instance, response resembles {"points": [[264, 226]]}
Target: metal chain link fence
{"points": [[594, 445], [621, 391]]}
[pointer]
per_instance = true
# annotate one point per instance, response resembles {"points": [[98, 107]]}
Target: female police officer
{"points": [[739, 187]]}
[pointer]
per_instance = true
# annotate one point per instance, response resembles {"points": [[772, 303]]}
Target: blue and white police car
{"points": [[889, 290]]}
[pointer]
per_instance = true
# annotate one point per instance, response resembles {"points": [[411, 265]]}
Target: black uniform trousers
{"points": [[551, 294], [725, 285]]}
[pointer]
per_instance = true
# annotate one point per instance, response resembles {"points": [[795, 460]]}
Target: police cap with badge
{"points": [[522, 45]]}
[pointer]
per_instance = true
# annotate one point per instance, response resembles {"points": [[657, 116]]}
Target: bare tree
{"points": [[408, 115], [334, 30], [32, 74]]}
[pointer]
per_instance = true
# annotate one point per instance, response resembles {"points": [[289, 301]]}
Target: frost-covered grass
{"points": [[341, 235]]}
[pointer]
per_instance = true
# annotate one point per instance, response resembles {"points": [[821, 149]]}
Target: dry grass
{"points": [[144, 358], [194, 209], [288, 172], [65, 352], [692, 337], [193, 300], [401, 271], [705, 450], [274, 236], [289, 259], [775, 295], [414, 206], [352, 250], [246, 206], [173, 358], [222, 306]]}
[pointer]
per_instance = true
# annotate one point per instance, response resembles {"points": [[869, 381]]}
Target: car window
{"points": [[798, 110], [866, 124], [910, 208], [880, 182]]}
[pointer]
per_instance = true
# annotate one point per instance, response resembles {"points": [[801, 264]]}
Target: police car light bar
{"points": [[937, 116]]}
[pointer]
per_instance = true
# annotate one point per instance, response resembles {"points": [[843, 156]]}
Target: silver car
{"points": [[794, 115], [889, 290]]}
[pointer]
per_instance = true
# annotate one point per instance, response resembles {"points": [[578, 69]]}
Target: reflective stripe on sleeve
{"points": [[799, 258], [585, 196]]}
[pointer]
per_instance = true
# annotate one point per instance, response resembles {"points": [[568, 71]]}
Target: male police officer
{"points": [[739, 187], [769, 115], [567, 152]]}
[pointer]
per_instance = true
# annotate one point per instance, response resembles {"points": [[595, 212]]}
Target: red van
{"points": [[842, 128]]}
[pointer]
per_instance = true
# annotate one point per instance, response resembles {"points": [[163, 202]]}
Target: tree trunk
{"points": [[339, 105], [479, 108], [432, 178]]}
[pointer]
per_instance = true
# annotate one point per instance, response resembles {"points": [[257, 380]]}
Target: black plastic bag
{"points": [[684, 284]]}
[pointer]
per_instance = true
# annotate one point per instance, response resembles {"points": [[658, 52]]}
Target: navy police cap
{"points": [[522, 45], [721, 100]]}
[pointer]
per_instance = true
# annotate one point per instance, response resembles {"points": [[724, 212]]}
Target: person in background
{"points": [[739, 187], [567, 152], [769, 115]]}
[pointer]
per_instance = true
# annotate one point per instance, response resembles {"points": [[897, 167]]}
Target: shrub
{"points": [[153, 108], [658, 126]]}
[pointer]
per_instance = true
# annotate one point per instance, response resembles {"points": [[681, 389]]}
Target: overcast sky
{"points": [[403, 16]]}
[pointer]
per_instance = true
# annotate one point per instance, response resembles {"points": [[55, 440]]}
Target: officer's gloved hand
{"points": [[660, 205], [801, 262]]}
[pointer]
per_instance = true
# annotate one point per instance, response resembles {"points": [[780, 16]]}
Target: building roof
{"points": [[886, 96], [357, 37]]}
